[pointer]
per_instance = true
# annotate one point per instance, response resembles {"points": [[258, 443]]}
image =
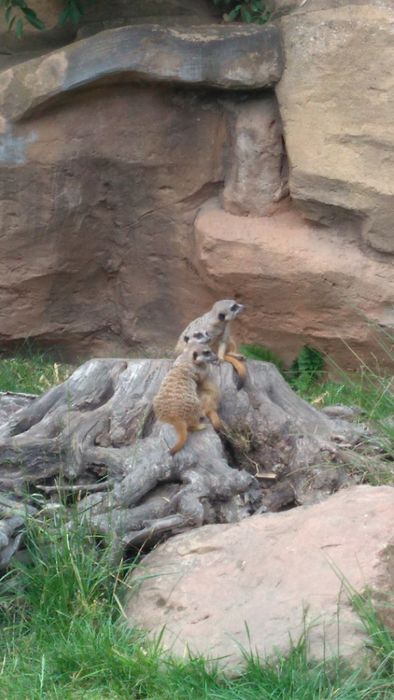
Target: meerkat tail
{"points": [[181, 430], [215, 420], [240, 369], [237, 355]]}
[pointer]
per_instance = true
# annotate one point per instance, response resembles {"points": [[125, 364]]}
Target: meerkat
{"points": [[177, 401], [208, 392], [209, 395], [216, 324]]}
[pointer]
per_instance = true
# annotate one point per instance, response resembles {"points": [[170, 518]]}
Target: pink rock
{"points": [[258, 583], [298, 288]]}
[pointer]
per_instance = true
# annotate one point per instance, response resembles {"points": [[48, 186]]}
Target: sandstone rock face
{"points": [[336, 101], [94, 255], [127, 133], [102, 15], [296, 287], [97, 255], [210, 589], [256, 175]]}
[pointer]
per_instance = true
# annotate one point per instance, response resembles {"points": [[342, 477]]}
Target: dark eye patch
{"points": [[198, 335], [234, 307], [222, 317], [186, 338], [206, 352], [195, 355]]}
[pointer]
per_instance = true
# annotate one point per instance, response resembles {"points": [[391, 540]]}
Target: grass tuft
{"points": [[31, 373]]}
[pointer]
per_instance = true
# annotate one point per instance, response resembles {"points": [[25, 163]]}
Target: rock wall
{"points": [[146, 170]]}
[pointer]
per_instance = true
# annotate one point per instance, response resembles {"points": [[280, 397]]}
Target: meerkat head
{"points": [[200, 353], [227, 309], [199, 336]]}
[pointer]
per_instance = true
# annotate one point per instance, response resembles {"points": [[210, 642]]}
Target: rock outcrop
{"points": [[294, 283], [336, 100], [268, 578], [110, 145], [230, 57], [256, 174]]}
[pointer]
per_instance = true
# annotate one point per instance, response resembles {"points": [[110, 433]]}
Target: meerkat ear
{"points": [[186, 338], [195, 355], [222, 317]]}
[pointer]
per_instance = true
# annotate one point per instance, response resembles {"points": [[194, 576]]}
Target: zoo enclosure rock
{"points": [[293, 267], [256, 175], [230, 57], [336, 100], [93, 260], [260, 577]]}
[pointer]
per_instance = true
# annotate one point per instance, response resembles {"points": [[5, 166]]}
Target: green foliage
{"points": [[31, 372], [62, 636], [249, 11], [306, 369], [259, 352], [18, 12], [73, 12]]}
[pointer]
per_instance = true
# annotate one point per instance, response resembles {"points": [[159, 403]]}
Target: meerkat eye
{"points": [[222, 317], [195, 355], [186, 338], [234, 307], [198, 335], [206, 352]]}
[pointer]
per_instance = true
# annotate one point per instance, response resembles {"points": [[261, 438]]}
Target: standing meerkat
{"points": [[216, 323], [177, 401]]}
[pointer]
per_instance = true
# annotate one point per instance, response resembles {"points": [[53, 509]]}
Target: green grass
{"points": [[31, 372], [62, 636]]}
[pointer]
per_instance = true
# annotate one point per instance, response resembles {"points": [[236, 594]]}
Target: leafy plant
{"points": [[307, 368], [18, 12], [249, 11]]}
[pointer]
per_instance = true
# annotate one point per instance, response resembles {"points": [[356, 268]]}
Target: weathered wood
{"points": [[96, 435]]}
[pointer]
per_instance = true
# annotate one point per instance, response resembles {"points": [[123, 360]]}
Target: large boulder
{"points": [[297, 286], [336, 101], [256, 585]]}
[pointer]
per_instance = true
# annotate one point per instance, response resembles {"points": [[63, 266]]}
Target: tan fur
{"points": [[177, 401], [216, 325], [209, 395]]}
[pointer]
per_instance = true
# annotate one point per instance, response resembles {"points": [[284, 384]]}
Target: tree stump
{"points": [[94, 439]]}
